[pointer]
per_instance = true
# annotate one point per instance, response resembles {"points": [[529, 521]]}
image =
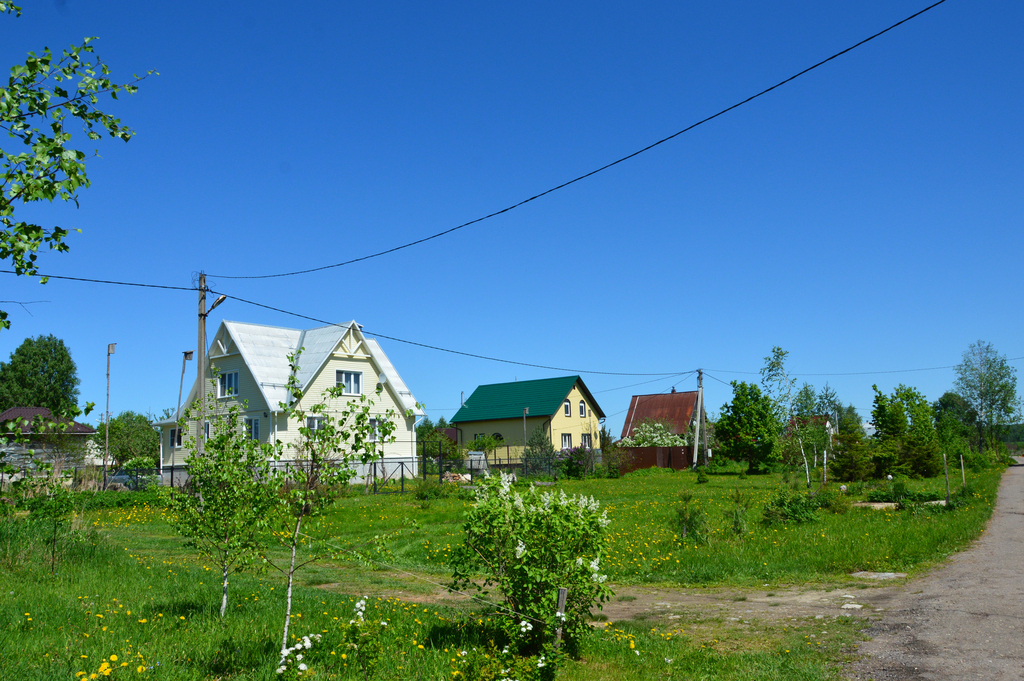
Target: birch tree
{"points": [[45, 98], [988, 384], [337, 433], [223, 511]]}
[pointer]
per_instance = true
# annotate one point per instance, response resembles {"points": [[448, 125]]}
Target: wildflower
{"points": [[540, 662]]}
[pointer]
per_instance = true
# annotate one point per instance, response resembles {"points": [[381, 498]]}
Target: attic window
{"points": [[568, 408], [351, 381], [583, 409]]}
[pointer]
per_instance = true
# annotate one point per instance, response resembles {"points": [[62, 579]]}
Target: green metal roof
{"points": [[544, 397]]}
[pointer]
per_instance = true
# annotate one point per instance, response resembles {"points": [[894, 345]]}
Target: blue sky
{"points": [[865, 217]]}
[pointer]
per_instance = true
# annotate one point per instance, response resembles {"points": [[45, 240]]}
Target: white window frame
{"points": [[583, 409], [223, 388], [345, 379], [373, 433], [314, 422], [566, 440], [175, 440], [586, 440], [252, 427], [567, 408]]}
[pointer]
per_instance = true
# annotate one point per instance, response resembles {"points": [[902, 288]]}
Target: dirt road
{"points": [[964, 620]]}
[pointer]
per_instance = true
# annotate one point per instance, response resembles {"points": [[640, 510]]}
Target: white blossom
{"points": [[520, 549]]}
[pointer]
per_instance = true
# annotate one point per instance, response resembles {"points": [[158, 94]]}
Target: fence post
{"points": [[560, 609]]}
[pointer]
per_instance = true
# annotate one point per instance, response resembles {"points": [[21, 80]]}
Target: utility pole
{"points": [[106, 418], [201, 365], [526, 410], [201, 369], [696, 414], [700, 419]]}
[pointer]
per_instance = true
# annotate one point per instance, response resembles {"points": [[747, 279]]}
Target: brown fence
{"points": [[677, 458]]}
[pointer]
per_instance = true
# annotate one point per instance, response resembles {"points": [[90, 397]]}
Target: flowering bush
{"points": [[529, 547], [574, 462], [494, 664], [292, 665]]}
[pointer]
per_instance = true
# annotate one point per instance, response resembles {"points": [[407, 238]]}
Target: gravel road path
{"points": [[965, 620]]}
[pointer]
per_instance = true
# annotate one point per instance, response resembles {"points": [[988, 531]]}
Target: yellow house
{"points": [[510, 412], [250, 362]]}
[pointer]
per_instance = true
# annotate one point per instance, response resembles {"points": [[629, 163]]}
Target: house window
{"points": [[351, 381], [499, 437], [586, 441], [373, 432], [583, 409], [252, 428], [227, 384], [315, 422], [206, 429], [175, 439], [567, 439], [568, 408]]}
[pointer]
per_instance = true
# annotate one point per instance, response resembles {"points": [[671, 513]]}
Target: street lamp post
{"points": [[106, 418], [185, 356]]}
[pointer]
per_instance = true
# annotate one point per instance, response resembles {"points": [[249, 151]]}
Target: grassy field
{"points": [[128, 599]]}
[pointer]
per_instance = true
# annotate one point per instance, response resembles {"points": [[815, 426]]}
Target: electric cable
{"points": [[106, 281], [592, 172], [448, 350]]}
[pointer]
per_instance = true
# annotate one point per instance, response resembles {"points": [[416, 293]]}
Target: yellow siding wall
{"points": [[573, 424], [511, 431]]}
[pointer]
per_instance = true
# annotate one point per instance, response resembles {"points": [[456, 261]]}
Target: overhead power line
{"points": [[448, 350], [107, 281], [482, 356], [592, 172]]}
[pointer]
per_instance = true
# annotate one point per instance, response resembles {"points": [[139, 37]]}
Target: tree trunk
{"points": [[291, 576], [224, 591], [807, 469]]}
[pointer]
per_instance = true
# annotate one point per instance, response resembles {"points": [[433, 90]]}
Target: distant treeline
{"points": [[1014, 433]]}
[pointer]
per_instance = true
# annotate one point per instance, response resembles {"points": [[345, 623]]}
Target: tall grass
{"points": [[127, 587]]}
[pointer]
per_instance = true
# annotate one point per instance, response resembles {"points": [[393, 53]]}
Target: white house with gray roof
{"points": [[250, 362]]}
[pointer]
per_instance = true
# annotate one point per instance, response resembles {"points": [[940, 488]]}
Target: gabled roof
{"points": [[544, 397], [29, 413], [674, 408], [265, 350]]}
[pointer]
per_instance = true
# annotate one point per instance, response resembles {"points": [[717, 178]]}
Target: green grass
{"points": [[128, 587]]}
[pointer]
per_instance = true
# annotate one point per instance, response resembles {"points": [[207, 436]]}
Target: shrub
{"points": [[831, 500], [691, 521], [573, 463], [702, 476], [430, 488], [787, 506], [529, 546], [738, 514]]}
